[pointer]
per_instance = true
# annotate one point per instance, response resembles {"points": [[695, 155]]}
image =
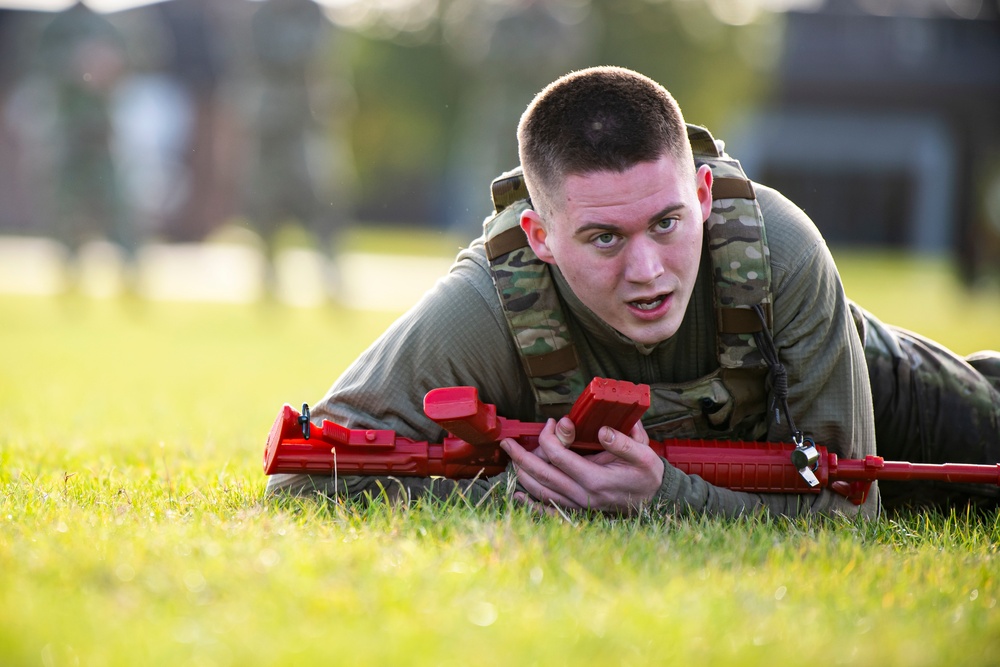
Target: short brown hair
{"points": [[597, 119]]}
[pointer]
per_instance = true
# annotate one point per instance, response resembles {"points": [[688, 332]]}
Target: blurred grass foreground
{"points": [[133, 529]]}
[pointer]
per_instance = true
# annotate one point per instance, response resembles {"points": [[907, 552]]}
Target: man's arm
{"points": [[454, 336]]}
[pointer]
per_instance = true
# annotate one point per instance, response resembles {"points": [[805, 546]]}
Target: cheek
{"points": [[590, 277], [687, 257]]}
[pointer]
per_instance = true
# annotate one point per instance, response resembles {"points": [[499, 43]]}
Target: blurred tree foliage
{"points": [[406, 99], [409, 87]]}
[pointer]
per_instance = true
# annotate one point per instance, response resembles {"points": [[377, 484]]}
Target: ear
{"points": [[534, 229], [703, 184]]}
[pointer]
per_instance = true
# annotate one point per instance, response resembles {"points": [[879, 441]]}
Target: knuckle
{"points": [[544, 475]]}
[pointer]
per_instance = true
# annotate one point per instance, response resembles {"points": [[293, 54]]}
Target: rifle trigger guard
{"points": [[805, 458], [304, 422]]}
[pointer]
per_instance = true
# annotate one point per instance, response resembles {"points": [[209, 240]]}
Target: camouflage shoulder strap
{"points": [[737, 249], [530, 301], [737, 246]]}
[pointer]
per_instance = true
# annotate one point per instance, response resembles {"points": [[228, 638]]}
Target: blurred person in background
{"points": [[197, 63], [507, 51], [296, 179], [83, 56], [15, 214], [172, 142]]}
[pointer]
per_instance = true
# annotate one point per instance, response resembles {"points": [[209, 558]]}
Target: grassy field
{"points": [[133, 531]]}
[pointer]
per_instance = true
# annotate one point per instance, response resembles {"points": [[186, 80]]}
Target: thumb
{"points": [[566, 432]]}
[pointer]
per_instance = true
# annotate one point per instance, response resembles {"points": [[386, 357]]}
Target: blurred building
{"points": [[885, 125]]}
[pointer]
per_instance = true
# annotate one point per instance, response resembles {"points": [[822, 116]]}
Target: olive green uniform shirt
{"points": [[456, 335]]}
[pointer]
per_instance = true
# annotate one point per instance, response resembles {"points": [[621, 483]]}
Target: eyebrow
{"points": [[609, 227]]}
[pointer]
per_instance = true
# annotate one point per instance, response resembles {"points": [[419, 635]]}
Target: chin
{"points": [[653, 335]]}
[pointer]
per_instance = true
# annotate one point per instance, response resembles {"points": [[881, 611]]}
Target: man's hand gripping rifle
{"points": [[472, 449]]}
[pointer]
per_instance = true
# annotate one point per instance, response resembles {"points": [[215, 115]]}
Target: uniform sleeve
{"points": [[454, 336], [683, 493], [829, 394]]}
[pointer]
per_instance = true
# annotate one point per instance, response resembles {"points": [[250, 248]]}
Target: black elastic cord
{"points": [[778, 375]]}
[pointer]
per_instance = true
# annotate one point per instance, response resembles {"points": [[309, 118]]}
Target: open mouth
{"points": [[648, 304]]}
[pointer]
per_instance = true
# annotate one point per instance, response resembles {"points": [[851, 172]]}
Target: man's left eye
{"points": [[666, 224]]}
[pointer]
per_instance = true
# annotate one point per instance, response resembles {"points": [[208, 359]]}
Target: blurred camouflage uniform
{"points": [[290, 183], [83, 54], [932, 406]]}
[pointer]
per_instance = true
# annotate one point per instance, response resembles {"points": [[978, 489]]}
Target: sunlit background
{"points": [[132, 133]]}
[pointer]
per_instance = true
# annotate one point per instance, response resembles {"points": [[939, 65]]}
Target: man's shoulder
{"points": [[471, 269], [472, 265], [790, 232]]}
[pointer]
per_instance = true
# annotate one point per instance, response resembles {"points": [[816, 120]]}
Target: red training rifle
{"points": [[295, 445]]}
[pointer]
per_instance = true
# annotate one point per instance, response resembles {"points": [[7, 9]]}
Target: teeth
{"points": [[647, 305]]}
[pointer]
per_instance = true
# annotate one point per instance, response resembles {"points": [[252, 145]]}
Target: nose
{"points": [[643, 263]]}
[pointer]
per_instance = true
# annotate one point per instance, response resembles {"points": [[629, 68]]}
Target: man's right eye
{"points": [[605, 240]]}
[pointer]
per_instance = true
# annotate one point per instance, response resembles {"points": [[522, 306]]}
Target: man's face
{"points": [[629, 244]]}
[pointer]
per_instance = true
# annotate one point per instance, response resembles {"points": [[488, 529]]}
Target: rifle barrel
{"points": [[873, 468]]}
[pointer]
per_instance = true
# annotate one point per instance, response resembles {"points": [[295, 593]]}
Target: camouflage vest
{"points": [[729, 402]]}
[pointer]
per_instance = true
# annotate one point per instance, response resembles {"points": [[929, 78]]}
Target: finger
{"points": [[522, 498], [546, 494], [553, 446], [623, 446], [603, 458], [548, 480], [540, 507], [534, 506], [555, 438], [638, 433], [548, 428]]}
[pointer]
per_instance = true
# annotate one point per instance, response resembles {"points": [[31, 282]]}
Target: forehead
{"points": [[645, 185]]}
